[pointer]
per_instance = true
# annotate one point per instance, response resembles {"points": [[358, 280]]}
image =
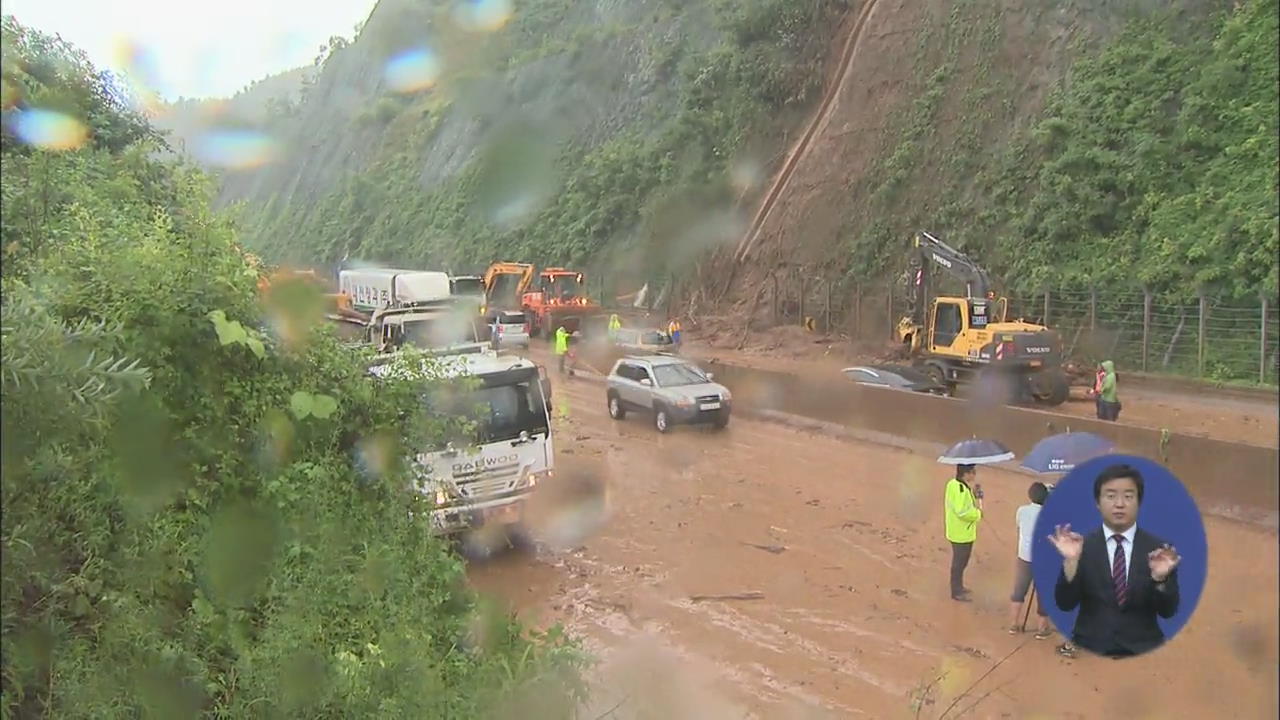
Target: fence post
{"points": [[1093, 310], [1200, 337], [776, 289], [803, 290], [1046, 308], [1262, 345], [1146, 327], [890, 304], [857, 310], [827, 327]]}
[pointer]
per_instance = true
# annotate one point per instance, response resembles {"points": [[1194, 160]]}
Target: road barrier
{"points": [[1239, 481]]}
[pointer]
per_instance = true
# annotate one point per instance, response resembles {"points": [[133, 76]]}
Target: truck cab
{"points": [[488, 478]]}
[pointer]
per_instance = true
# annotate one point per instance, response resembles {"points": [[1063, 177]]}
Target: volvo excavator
{"points": [[965, 340]]}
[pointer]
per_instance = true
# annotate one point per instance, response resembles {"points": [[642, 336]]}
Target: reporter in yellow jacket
{"points": [[962, 510]]}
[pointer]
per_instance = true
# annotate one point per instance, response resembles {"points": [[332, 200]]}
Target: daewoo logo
{"points": [[482, 463]]}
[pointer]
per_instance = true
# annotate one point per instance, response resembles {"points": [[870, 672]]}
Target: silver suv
{"points": [[673, 389]]}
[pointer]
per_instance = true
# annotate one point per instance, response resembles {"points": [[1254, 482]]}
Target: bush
{"points": [[200, 517]]}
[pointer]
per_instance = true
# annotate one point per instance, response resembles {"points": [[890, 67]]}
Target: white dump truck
{"points": [[373, 289], [411, 307], [511, 451], [467, 287]]}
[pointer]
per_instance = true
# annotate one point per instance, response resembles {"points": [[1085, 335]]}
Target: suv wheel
{"points": [[616, 411], [661, 420], [722, 420]]}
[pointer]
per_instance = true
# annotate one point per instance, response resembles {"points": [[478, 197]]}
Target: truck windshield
{"points": [[470, 287], [678, 374], [500, 408], [563, 287], [439, 331], [504, 292]]}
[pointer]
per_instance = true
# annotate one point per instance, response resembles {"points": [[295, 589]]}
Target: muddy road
{"points": [[841, 543]]}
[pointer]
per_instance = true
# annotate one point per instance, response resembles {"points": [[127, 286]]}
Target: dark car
{"points": [[896, 377]]}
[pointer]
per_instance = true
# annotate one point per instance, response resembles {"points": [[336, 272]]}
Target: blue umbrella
{"points": [[976, 452], [1061, 453]]}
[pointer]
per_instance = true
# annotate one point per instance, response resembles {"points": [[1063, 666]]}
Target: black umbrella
{"points": [[976, 452]]}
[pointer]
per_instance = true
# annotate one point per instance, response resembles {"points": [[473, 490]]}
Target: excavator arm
{"points": [[496, 271], [931, 249]]}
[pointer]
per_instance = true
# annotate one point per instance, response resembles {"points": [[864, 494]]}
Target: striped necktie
{"points": [[1118, 575]]}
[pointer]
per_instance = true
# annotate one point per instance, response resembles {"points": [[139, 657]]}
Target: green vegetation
{"points": [[608, 195], [200, 517], [1153, 166]]}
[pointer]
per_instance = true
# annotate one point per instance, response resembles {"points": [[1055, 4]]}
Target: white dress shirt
{"points": [[1128, 547]]}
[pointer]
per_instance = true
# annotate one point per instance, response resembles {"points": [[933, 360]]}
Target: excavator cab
{"points": [[949, 322]]}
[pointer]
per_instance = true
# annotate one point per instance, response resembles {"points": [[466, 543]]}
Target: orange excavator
{"points": [[504, 285], [560, 298]]}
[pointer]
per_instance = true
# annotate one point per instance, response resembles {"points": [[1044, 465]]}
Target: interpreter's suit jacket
{"points": [[1102, 625]]}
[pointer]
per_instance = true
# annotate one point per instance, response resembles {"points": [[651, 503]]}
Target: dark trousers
{"points": [[1108, 410], [960, 553], [560, 358]]}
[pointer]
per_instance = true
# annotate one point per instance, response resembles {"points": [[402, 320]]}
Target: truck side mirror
{"points": [[646, 382]]}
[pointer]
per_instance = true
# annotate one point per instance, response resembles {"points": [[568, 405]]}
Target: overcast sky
{"points": [[197, 49]]}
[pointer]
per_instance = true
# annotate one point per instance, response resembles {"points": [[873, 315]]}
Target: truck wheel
{"points": [[661, 420], [937, 374], [616, 411], [1050, 387], [999, 386]]}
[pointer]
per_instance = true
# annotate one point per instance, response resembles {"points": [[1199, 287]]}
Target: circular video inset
{"points": [[1119, 557]]}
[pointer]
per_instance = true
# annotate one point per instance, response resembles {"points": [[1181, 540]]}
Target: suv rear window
{"points": [[512, 319]]}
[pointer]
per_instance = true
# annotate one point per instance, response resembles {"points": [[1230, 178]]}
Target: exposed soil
{"points": [[842, 541]]}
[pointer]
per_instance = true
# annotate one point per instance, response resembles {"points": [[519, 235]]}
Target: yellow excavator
{"points": [[964, 340]]}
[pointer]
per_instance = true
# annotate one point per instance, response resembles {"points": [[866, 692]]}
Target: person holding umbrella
{"points": [[1057, 455], [963, 511], [1026, 522], [962, 503]]}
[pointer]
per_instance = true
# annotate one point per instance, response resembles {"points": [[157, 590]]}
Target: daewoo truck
{"points": [[510, 452]]}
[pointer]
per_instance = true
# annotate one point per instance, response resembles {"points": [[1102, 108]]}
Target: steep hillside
{"points": [[549, 138], [1065, 144]]}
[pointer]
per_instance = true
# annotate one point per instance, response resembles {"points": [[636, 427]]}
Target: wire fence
{"points": [[1205, 338]]}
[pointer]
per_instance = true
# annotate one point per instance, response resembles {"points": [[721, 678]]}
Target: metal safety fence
{"points": [[1206, 337]]}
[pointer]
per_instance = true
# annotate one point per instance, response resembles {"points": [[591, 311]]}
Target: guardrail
{"points": [[1239, 481]]}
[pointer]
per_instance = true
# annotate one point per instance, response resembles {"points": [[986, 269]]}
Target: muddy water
{"points": [[843, 543]]}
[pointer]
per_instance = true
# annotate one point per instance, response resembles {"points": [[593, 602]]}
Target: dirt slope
{"points": [[931, 88]]}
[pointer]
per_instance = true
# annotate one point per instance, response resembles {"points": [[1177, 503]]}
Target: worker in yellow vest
{"points": [[562, 346], [614, 325], [962, 511], [673, 330]]}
